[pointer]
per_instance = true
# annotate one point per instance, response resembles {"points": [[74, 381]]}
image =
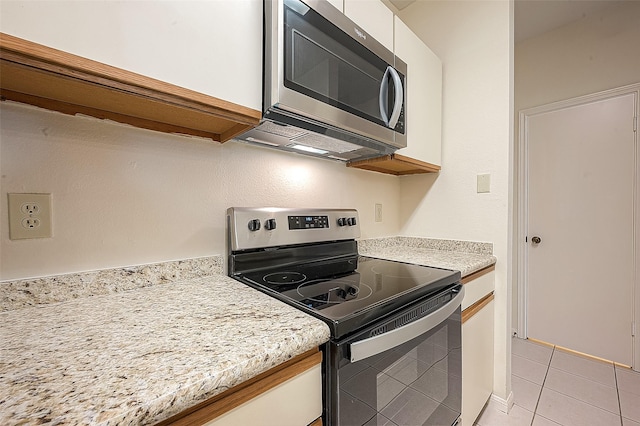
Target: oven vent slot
{"points": [[407, 318]]}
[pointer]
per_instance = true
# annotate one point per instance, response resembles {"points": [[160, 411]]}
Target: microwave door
{"points": [[328, 66], [330, 77]]}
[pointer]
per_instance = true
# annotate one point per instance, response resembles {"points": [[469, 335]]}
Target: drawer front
{"points": [[298, 401], [477, 288]]}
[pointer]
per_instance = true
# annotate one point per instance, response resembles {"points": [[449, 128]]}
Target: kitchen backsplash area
{"points": [[20, 294], [126, 196]]}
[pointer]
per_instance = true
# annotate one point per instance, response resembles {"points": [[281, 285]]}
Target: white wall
{"points": [[596, 53], [474, 41], [125, 196], [593, 54]]}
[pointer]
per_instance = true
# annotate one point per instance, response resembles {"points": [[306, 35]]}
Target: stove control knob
{"points": [[351, 221], [270, 224], [342, 221], [254, 224]]}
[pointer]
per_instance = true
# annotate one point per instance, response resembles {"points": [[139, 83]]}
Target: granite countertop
{"points": [[142, 355], [140, 344], [464, 256]]}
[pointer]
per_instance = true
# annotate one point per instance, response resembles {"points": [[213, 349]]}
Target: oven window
{"points": [[417, 383]]}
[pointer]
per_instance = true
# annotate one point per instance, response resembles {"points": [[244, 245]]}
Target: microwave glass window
{"points": [[323, 62]]}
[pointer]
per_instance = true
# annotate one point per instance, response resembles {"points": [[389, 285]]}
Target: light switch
{"points": [[484, 183]]}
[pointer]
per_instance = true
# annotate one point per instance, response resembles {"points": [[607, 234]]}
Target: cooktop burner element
{"points": [[280, 278], [318, 292]]}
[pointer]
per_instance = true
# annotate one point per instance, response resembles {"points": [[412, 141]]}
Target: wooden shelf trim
{"points": [[476, 307], [478, 274], [238, 395], [395, 164], [53, 79]]}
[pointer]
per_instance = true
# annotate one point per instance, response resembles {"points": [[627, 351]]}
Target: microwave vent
{"points": [[283, 130], [325, 143]]}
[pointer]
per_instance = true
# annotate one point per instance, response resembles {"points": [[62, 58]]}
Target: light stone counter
{"points": [[142, 355], [137, 345], [464, 256]]}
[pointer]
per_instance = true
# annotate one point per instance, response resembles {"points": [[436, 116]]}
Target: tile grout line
{"points": [[615, 376], [535, 409]]}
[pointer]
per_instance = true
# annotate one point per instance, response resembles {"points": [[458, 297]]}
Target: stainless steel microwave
{"points": [[330, 89]]}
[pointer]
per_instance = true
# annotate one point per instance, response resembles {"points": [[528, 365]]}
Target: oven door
{"points": [[410, 375]]}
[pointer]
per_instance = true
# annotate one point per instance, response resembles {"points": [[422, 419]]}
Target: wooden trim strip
{"points": [[395, 164], [73, 109], [541, 342], [478, 274], [238, 395], [578, 353], [68, 83], [476, 307]]}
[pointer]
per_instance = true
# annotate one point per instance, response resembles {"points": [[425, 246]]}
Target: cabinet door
{"points": [[477, 343], [477, 363], [374, 17], [424, 96], [212, 47]]}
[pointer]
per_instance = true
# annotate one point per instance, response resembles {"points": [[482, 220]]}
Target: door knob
{"points": [[536, 240]]}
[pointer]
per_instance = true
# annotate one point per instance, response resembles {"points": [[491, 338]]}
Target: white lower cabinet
{"points": [[295, 402], [287, 395], [477, 344]]}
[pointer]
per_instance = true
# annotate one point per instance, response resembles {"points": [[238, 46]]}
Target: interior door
{"points": [[580, 248]]}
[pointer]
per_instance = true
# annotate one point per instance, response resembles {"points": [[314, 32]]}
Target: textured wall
{"points": [[593, 54], [473, 39], [124, 196]]}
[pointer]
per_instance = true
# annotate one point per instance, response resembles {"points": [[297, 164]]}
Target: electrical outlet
{"points": [[29, 216], [378, 213]]}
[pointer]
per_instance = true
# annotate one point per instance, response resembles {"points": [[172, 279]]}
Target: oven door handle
{"points": [[378, 344]]}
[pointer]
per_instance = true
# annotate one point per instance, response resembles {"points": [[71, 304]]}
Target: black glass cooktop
{"points": [[349, 293]]}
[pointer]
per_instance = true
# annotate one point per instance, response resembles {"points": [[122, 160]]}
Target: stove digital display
{"points": [[308, 222]]}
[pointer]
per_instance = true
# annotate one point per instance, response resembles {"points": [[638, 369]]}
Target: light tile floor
{"points": [[552, 387]]}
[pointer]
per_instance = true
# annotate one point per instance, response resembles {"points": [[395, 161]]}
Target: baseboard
{"points": [[502, 404]]}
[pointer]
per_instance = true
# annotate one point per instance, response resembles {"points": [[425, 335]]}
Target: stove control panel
{"points": [[308, 222], [254, 225], [251, 228], [347, 221]]}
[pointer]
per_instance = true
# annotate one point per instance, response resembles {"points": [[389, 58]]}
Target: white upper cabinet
{"points": [[211, 47], [339, 4], [424, 96], [374, 17]]}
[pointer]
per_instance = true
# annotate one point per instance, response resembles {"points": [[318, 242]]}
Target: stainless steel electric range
{"points": [[394, 357]]}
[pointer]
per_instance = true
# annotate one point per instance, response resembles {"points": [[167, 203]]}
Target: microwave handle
{"points": [[397, 102], [383, 342]]}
